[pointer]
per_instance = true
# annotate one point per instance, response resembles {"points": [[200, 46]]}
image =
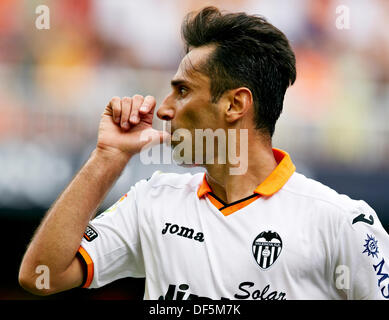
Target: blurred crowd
{"points": [[55, 83]]}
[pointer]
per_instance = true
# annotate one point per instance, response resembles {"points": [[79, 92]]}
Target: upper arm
{"points": [[363, 249], [111, 248]]}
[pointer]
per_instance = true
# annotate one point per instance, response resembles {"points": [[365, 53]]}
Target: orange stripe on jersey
{"points": [[227, 210], [280, 175], [204, 188], [273, 183], [89, 264], [215, 201]]}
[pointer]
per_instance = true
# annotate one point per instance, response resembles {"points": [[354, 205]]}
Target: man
{"points": [[265, 233]]}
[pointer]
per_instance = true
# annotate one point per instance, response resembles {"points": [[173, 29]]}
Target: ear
{"points": [[240, 101]]}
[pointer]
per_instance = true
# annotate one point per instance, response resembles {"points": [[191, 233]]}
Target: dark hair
{"points": [[249, 52]]}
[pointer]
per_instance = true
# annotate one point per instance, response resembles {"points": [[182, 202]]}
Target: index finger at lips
{"points": [[147, 105]]}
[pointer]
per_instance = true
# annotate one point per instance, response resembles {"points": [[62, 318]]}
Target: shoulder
{"points": [[324, 198], [164, 180]]}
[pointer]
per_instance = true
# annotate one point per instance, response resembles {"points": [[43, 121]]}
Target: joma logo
{"points": [[183, 232]]}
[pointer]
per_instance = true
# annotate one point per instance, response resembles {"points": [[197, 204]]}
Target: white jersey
{"points": [[294, 238]]}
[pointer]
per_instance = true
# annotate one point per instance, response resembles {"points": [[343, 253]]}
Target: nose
{"points": [[167, 110]]}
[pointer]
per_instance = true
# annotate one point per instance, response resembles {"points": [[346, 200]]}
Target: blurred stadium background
{"points": [[55, 83]]}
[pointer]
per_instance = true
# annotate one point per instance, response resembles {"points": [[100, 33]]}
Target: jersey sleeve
{"points": [[362, 256], [110, 248]]}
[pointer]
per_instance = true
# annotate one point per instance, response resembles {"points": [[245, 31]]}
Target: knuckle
{"points": [[149, 99], [115, 99], [126, 99], [138, 98], [116, 107]]}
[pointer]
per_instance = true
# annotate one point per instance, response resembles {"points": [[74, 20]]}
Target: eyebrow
{"points": [[178, 82]]}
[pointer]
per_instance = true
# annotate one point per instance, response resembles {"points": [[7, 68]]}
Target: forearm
{"points": [[58, 238]]}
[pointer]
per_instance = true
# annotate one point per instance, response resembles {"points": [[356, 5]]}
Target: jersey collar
{"points": [[273, 183]]}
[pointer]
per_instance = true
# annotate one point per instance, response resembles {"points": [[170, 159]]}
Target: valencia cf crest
{"points": [[267, 247]]}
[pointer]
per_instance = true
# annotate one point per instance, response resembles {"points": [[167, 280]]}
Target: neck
{"points": [[260, 163]]}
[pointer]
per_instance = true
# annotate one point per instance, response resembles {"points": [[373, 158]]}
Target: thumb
{"points": [[151, 137]]}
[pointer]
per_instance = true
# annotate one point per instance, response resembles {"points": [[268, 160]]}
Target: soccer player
{"points": [[265, 233]]}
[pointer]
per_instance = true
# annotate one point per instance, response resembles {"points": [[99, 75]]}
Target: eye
{"points": [[182, 90]]}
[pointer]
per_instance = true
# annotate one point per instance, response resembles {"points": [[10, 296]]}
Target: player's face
{"points": [[189, 105]]}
